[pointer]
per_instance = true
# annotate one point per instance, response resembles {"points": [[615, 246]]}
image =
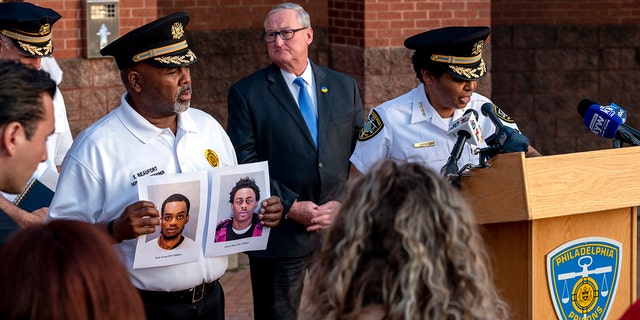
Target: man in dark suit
{"points": [[308, 158]]}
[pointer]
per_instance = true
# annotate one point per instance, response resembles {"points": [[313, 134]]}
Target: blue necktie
{"points": [[306, 107]]}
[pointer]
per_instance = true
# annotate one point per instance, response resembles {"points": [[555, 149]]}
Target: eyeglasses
{"points": [[285, 34]]}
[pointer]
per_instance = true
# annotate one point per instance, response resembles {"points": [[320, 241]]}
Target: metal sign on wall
{"points": [[103, 23], [583, 277]]}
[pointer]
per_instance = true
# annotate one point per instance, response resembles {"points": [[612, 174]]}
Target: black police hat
{"points": [[457, 49], [161, 43], [29, 27]]}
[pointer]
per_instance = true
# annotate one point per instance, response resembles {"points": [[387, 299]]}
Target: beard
{"points": [[180, 105]]}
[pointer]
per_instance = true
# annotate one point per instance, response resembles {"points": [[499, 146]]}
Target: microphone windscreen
{"points": [[602, 122], [584, 105], [487, 108], [475, 113]]}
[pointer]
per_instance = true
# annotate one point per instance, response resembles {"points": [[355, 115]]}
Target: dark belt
{"points": [[191, 295]]}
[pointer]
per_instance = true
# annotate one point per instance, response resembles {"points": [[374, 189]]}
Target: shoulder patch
{"points": [[371, 127], [502, 115]]}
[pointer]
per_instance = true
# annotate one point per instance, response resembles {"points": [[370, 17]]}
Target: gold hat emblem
{"points": [[44, 29], [177, 31], [212, 157], [477, 48]]}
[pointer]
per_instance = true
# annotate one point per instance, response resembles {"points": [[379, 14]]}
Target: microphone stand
{"points": [[617, 143], [622, 136], [450, 169]]}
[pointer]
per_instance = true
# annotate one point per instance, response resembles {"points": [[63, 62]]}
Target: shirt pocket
{"points": [[432, 157]]}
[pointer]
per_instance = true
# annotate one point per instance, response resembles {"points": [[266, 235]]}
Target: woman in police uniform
{"points": [[413, 127]]}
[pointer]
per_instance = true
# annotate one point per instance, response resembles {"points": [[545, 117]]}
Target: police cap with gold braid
{"points": [[29, 27], [161, 43], [457, 49]]}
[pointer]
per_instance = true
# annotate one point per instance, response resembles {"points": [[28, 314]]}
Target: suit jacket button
{"points": [[320, 165]]}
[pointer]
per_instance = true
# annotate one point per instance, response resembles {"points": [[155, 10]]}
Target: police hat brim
{"points": [[457, 50], [29, 27], [161, 43]]}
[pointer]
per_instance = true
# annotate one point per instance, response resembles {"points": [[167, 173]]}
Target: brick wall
{"points": [[544, 56], [91, 87], [236, 14], [389, 22], [565, 12], [226, 38], [370, 46], [549, 55], [69, 38], [363, 38]]}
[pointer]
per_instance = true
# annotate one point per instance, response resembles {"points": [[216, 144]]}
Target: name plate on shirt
{"points": [[424, 144]]}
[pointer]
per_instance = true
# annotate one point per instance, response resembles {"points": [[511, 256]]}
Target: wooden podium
{"points": [[527, 207]]}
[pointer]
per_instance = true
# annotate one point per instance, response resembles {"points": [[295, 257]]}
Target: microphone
{"points": [[622, 113], [469, 123], [465, 128], [490, 111], [506, 139], [606, 121]]}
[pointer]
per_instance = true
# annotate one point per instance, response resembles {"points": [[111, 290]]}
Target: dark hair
{"points": [[176, 197], [421, 60], [244, 183], [65, 269], [20, 95]]}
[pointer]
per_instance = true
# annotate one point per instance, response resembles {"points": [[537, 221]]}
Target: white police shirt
{"points": [[99, 180], [60, 141], [408, 129]]}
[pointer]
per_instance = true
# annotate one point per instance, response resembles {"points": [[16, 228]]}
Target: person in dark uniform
{"points": [[244, 224]]}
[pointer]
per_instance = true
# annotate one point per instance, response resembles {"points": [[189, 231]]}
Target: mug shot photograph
{"points": [[182, 202], [237, 202]]}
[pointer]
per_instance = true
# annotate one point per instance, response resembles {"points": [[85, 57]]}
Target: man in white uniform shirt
{"points": [[25, 36], [152, 132], [413, 127]]}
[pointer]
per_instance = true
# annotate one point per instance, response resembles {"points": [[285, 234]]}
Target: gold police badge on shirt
{"points": [[371, 127], [212, 157]]}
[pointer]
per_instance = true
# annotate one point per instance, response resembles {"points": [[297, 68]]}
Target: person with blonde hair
{"points": [[68, 270], [404, 245]]}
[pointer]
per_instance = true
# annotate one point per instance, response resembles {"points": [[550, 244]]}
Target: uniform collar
{"points": [[143, 129], [421, 108]]}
